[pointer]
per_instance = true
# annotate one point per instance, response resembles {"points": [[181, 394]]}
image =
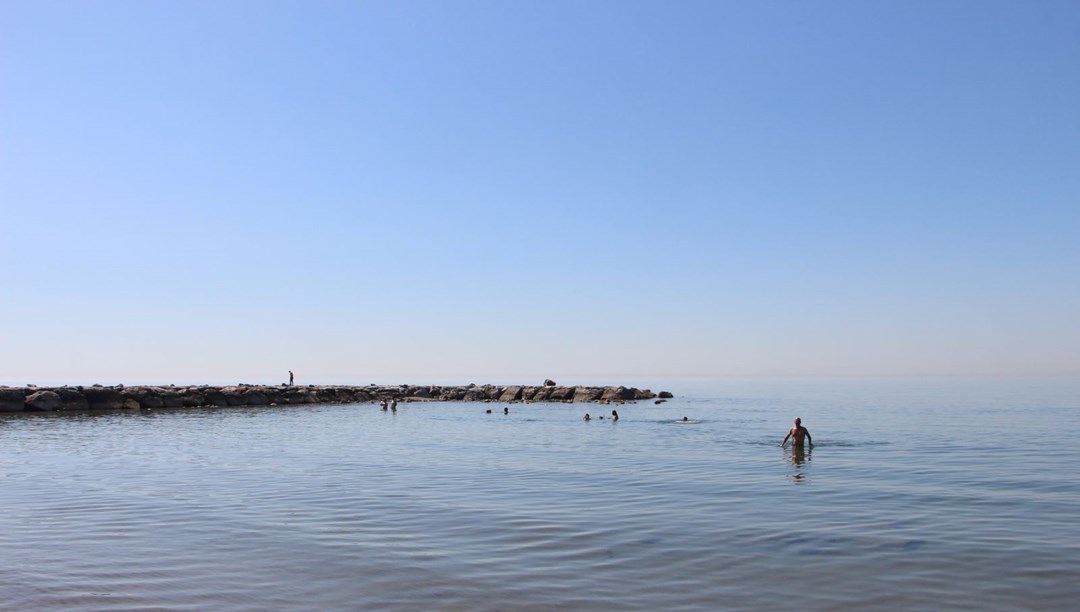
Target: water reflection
{"points": [[798, 457]]}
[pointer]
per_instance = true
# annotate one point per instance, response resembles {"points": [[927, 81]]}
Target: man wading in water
{"points": [[797, 434]]}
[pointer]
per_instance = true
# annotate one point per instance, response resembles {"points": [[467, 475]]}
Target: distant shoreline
{"points": [[97, 397]]}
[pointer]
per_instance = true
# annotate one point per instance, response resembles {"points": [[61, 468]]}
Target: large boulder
{"points": [[215, 397], [12, 400], [146, 397], [561, 394], [617, 394], [44, 401], [234, 396], [256, 397], [510, 394], [549, 383], [475, 394], [72, 399], [645, 394], [103, 398], [665, 395], [452, 393], [301, 396], [193, 396], [587, 394], [171, 398]]}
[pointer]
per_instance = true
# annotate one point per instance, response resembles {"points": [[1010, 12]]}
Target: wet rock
{"points": [[72, 399], [254, 397], [12, 400], [103, 398], [44, 401], [665, 395]]}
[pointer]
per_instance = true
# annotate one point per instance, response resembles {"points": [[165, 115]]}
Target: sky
{"points": [[203, 191]]}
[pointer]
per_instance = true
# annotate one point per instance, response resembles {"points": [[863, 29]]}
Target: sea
{"points": [[918, 494]]}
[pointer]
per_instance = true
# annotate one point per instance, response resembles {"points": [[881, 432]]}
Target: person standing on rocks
{"points": [[290, 378]]}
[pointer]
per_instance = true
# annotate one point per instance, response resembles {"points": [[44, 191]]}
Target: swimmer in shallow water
{"points": [[614, 416], [798, 433], [586, 417], [685, 419]]}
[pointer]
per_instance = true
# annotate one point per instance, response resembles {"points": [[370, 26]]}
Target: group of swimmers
{"points": [[614, 416], [798, 434]]}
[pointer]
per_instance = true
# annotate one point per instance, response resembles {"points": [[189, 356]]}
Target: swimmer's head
{"points": [[798, 420]]}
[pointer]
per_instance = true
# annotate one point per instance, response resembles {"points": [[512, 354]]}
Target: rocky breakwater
{"points": [[119, 397]]}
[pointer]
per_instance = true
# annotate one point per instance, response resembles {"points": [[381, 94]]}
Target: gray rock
{"points": [[561, 394], [510, 394], [72, 399], [44, 401], [103, 398], [549, 383], [587, 394], [665, 395], [171, 399], [214, 397], [256, 398], [12, 400], [614, 394], [193, 396]]}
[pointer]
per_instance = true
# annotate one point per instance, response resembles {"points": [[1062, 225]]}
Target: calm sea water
{"points": [[947, 494]]}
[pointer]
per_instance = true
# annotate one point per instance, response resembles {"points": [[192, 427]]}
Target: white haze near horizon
{"points": [[475, 192]]}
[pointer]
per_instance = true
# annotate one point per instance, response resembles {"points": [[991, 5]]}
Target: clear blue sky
{"points": [[198, 191]]}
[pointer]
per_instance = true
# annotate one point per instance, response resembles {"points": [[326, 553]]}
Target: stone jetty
{"points": [[98, 397]]}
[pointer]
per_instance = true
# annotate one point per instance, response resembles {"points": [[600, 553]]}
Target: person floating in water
{"points": [[586, 417], [290, 378], [506, 410], [614, 415], [798, 434]]}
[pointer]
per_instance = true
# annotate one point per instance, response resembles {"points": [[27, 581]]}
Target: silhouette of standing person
{"points": [[290, 378]]}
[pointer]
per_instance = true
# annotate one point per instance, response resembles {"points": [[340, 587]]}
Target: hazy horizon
{"points": [[478, 191]]}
